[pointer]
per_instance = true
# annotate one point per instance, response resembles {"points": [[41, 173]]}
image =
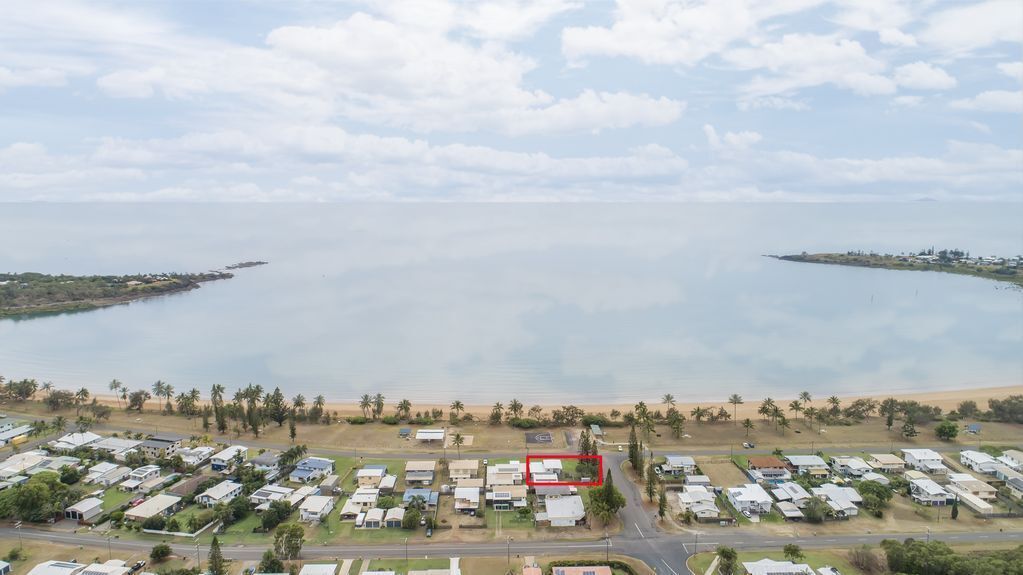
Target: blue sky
{"points": [[512, 100]]}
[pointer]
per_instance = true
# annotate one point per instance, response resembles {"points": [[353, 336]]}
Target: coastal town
{"points": [[211, 500], [957, 261]]}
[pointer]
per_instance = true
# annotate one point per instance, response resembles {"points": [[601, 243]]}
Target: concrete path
{"points": [[346, 566], [712, 567]]}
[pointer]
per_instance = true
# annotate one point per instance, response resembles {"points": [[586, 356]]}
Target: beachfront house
{"points": [[371, 476], [850, 466], [222, 492], [750, 497], [978, 461], [464, 469], [886, 462], [562, 512], [811, 465], [501, 474], [315, 508], [678, 464], [927, 492], [161, 445], [85, 510], [226, 459], [311, 469], [767, 469], [792, 492], [772, 567], [926, 460], [545, 471], [542, 492], [419, 472]]}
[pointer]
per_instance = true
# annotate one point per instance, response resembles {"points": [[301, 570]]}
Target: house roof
{"points": [[929, 487], [316, 503], [388, 482], [922, 454], [789, 509], [680, 460], [318, 569], [86, 504], [152, 506], [750, 492], [805, 460], [371, 472], [464, 465], [430, 434], [315, 463], [166, 437], [266, 459], [430, 496], [569, 507], [375, 514], [772, 567], [420, 465], [395, 513], [887, 459], [765, 461], [220, 490], [470, 493], [116, 444], [56, 568], [73, 440]]}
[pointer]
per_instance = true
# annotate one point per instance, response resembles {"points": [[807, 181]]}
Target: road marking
{"points": [[640, 530], [669, 567], [686, 549]]}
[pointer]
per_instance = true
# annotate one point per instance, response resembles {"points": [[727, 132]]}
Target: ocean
{"points": [[552, 303]]}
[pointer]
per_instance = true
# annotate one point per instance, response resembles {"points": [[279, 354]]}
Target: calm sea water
{"points": [[544, 303]]}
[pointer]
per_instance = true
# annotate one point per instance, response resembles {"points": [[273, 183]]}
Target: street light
{"points": [[509, 549], [110, 553], [406, 553], [607, 547], [21, 544]]}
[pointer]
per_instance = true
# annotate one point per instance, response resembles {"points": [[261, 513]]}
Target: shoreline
{"points": [[945, 399]]}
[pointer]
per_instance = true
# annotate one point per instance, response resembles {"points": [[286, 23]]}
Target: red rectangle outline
{"points": [[597, 483]]}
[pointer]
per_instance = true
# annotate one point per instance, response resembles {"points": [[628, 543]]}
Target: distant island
{"points": [[28, 294], [1005, 269]]}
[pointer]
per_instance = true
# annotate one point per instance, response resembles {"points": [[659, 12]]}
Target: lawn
{"points": [[114, 498], [508, 520], [815, 558], [401, 566], [394, 467]]}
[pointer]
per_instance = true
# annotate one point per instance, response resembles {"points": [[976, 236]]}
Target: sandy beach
{"points": [[945, 399]]}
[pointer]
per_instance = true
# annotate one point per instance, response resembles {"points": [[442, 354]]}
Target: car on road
{"points": [[619, 448], [747, 445], [429, 532]]}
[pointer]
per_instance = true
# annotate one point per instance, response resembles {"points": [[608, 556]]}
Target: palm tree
{"points": [[736, 400], [796, 407], [766, 407], [457, 407], [195, 396], [365, 404], [834, 402], [747, 424], [776, 413], [515, 409], [404, 407], [59, 424], [457, 441], [217, 394], [698, 414], [81, 396], [809, 414], [168, 391], [535, 412], [115, 386], [378, 405], [299, 403], [783, 423], [668, 400], [805, 398], [821, 416]]}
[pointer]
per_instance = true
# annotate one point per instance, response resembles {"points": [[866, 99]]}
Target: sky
{"points": [[512, 100]]}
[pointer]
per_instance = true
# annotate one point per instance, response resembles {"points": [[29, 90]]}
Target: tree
{"points": [[292, 431], [909, 429], [270, 563], [288, 540], [635, 452], [411, 519], [160, 552], [276, 407], [365, 404], [496, 413], [457, 407], [458, 440], [783, 423], [955, 508], [835, 404], [793, 552], [967, 409], [116, 386], [796, 407], [748, 425], [378, 405], [137, 399], [651, 481], [606, 500], [81, 397], [515, 409], [946, 430], [668, 400], [215, 563], [736, 400], [404, 408], [698, 414], [275, 515], [728, 560], [662, 502], [805, 397]]}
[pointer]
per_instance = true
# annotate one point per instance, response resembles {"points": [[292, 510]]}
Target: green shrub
{"points": [[357, 420], [390, 420]]}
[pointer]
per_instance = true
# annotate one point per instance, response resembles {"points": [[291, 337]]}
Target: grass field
{"points": [[113, 498]]}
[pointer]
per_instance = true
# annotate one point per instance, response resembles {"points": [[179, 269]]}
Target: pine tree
{"points": [[662, 503], [635, 452], [217, 565], [651, 481], [955, 508]]}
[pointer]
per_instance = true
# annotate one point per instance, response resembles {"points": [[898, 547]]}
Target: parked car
{"points": [[658, 470], [747, 445], [485, 462], [619, 448], [747, 513], [429, 532]]}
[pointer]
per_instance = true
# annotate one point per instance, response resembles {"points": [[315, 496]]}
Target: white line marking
{"points": [[686, 549], [669, 567], [640, 530]]}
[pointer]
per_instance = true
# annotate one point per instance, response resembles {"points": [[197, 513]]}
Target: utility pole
{"points": [[509, 549], [406, 553], [607, 547], [110, 553], [21, 544], [198, 559]]}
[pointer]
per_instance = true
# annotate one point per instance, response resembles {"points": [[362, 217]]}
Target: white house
{"points": [[876, 477], [792, 492], [311, 468], [886, 462], [269, 493], [750, 497], [467, 499], [430, 434], [562, 512], [843, 500], [222, 492], [226, 459], [1013, 458], [419, 472], [374, 518], [73, 441], [978, 461], [676, 464], [15, 435], [140, 475], [699, 500], [464, 469], [119, 447], [370, 476], [926, 460], [772, 567], [57, 568], [365, 497], [106, 473], [966, 483], [808, 465], [850, 466], [316, 508], [505, 497], [394, 517], [85, 510], [161, 504], [927, 492], [195, 456], [318, 569], [511, 473]]}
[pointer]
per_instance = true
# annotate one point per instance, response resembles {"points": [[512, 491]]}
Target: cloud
{"points": [[594, 111], [963, 29], [19, 78], [1013, 70], [993, 101], [895, 37], [907, 101], [923, 76], [731, 140]]}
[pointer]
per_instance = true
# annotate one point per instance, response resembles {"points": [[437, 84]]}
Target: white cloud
{"points": [[730, 140], [993, 101], [923, 76], [772, 103], [907, 101], [18, 78], [594, 111], [965, 28], [1013, 70], [895, 37], [806, 60], [511, 19]]}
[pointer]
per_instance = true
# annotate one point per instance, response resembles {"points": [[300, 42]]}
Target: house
{"points": [[222, 492], [464, 469], [161, 445], [394, 517], [430, 435], [311, 469], [188, 486], [111, 567], [811, 465], [1002, 473], [1013, 458], [161, 504], [767, 469], [750, 497], [596, 431], [506, 497], [315, 508], [467, 499], [8, 423], [677, 464], [419, 472], [548, 470], [195, 456], [793, 493], [139, 476], [387, 483], [15, 435], [429, 497], [85, 510], [268, 462], [365, 497], [886, 462], [965, 483], [73, 441], [978, 461], [374, 519], [927, 492], [226, 459], [370, 476], [318, 569], [501, 474], [267, 494], [789, 510], [329, 485], [562, 512], [842, 500], [55, 463], [119, 447], [876, 477], [703, 480], [850, 466], [772, 567], [698, 500], [973, 502], [5, 568], [1015, 486], [544, 491], [587, 570], [926, 460], [57, 568], [106, 474]]}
